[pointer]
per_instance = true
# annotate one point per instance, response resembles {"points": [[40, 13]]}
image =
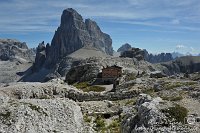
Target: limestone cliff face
{"points": [[73, 34], [99, 39], [40, 56]]}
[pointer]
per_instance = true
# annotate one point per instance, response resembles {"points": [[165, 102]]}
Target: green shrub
{"points": [[178, 98], [114, 127], [130, 76], [100, 124], [173, 85], [150, 92], [87, 118], [131, 102], [178, 113]]}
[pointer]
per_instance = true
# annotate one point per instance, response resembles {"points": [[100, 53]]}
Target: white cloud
{"points": [[180, 46], [187, 49], [192, 48]]}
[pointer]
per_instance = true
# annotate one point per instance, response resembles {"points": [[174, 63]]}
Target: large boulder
{"points": [[41, 116], [152, 117], [35, 108]]}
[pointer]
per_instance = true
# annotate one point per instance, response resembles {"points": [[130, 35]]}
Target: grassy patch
{"points": [[178, 113], [173, 85], [178, 98], [84, 86], [36, 108], [87, 119], [94, 88], [81, 85], [150, 92], [100, 125], [130, 76], [170, 86], [130, 102], [44, 97], [114, 127], [190, 83]]}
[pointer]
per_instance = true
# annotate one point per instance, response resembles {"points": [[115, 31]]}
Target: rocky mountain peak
{"points": [[69, 17], [74, 34], [124, 47], [41, 47]]}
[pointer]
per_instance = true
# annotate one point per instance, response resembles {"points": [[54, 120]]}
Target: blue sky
{"points": [[156, 25]]}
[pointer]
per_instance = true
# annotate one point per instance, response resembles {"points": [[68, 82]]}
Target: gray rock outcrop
{"points": [[19, 113], [157, 74], [41, 116], [150, 118], [40, 56]]}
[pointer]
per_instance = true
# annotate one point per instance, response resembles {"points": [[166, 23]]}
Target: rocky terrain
{"points": [[15, 59], [163, 105], [60, 93]]}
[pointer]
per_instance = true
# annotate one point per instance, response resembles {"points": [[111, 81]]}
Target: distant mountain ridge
{"points": [[127, 50], [11, 49]]}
